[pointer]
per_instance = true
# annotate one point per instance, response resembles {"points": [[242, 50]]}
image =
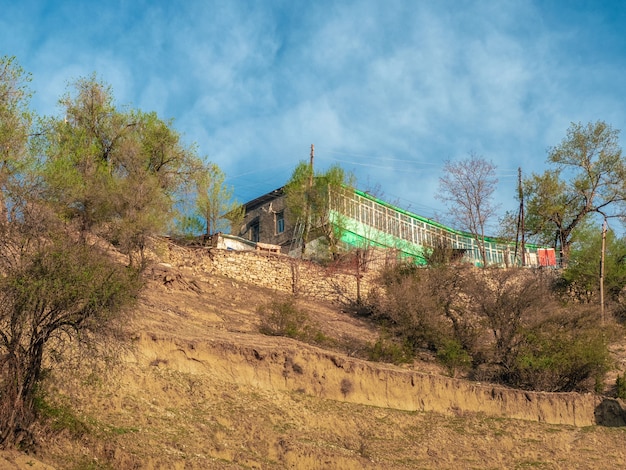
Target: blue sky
{"points": [[390, 89]]}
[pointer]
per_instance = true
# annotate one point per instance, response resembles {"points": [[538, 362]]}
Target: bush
{"points": [[507, 302], [508, 325], [410, 307], [386, 350], [453, 356], [620, 386], [346, 387], [283, 318], [567, 352]]}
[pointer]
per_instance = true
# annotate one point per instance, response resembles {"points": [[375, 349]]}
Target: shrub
{"points": [[346, 386], [410, 307], [508, 325], [452, 355], [386, 350], [507, 301], [620, 386], [566, 352], [283, 318]]}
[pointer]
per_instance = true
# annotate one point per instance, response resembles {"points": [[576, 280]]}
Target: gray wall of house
{"points": [[263, 222]]}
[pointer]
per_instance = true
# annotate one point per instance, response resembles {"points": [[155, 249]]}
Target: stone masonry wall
{"points": [[275, 271]]}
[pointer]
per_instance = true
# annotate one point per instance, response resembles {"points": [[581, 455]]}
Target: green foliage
{"points": [[189, 226], [589, 177], [620, 386], [298, 191], [214, 200], [507, 325], [309, 199], [15, 123], [387, 350], [452, 355], [563, 353], [57, 290], [113, 173], [284, 318], [98, 172], [583, 270]]}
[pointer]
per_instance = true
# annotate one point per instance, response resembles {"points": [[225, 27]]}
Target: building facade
{"points": [[368, 222], [267, 221]]}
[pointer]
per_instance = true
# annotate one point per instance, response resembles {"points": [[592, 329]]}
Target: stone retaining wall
{"points": [[276, 271]]}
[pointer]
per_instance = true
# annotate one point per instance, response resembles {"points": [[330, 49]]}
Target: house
{"points": [[267, 221], [368, 222]]}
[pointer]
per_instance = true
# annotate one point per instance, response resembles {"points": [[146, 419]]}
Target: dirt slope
{"points": [[201, 388]]}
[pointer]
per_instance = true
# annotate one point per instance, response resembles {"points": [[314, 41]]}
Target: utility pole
{"points": [[307, 208], [520, 218], [604, 227], [311, 165]]}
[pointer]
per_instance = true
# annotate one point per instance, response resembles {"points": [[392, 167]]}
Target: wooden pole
{"points": [[604, 227], [520, 219], [311, 165], [307, 208], [523, 228]]}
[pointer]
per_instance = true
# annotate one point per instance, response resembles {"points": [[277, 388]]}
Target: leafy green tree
{"points": [[15, 123], [54, 289], [153, 171], [589, 178], [114, 173], [299, 193], [582, 274], [330, 220], [96, 173], [99, 171], [214, 200], [309, 199]]}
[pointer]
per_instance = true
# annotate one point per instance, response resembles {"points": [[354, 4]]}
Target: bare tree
{"points": [[467, 188]]}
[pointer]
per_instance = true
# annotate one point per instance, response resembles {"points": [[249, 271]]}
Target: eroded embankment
{"points": [[297, 367]]}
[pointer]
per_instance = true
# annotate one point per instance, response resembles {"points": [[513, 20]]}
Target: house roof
{"points": [[259, 201]]}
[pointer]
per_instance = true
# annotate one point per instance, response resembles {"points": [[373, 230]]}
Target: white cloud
{"points": [[413, 83]]}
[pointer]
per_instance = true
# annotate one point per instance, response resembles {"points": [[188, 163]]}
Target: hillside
{"points": [[200, 388]]}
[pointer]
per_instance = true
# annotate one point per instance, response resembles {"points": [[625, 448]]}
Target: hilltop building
{"points": [[369, 222]]}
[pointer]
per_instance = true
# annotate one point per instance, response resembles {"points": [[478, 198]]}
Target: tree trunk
{"points": [[17, 408]]}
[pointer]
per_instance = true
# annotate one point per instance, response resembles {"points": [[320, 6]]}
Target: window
{"points": [[280, 222], [255, 232]]}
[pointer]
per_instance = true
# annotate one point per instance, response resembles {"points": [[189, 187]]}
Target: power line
{"points": [[265, 168], [378, 158], [369, 165]]}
